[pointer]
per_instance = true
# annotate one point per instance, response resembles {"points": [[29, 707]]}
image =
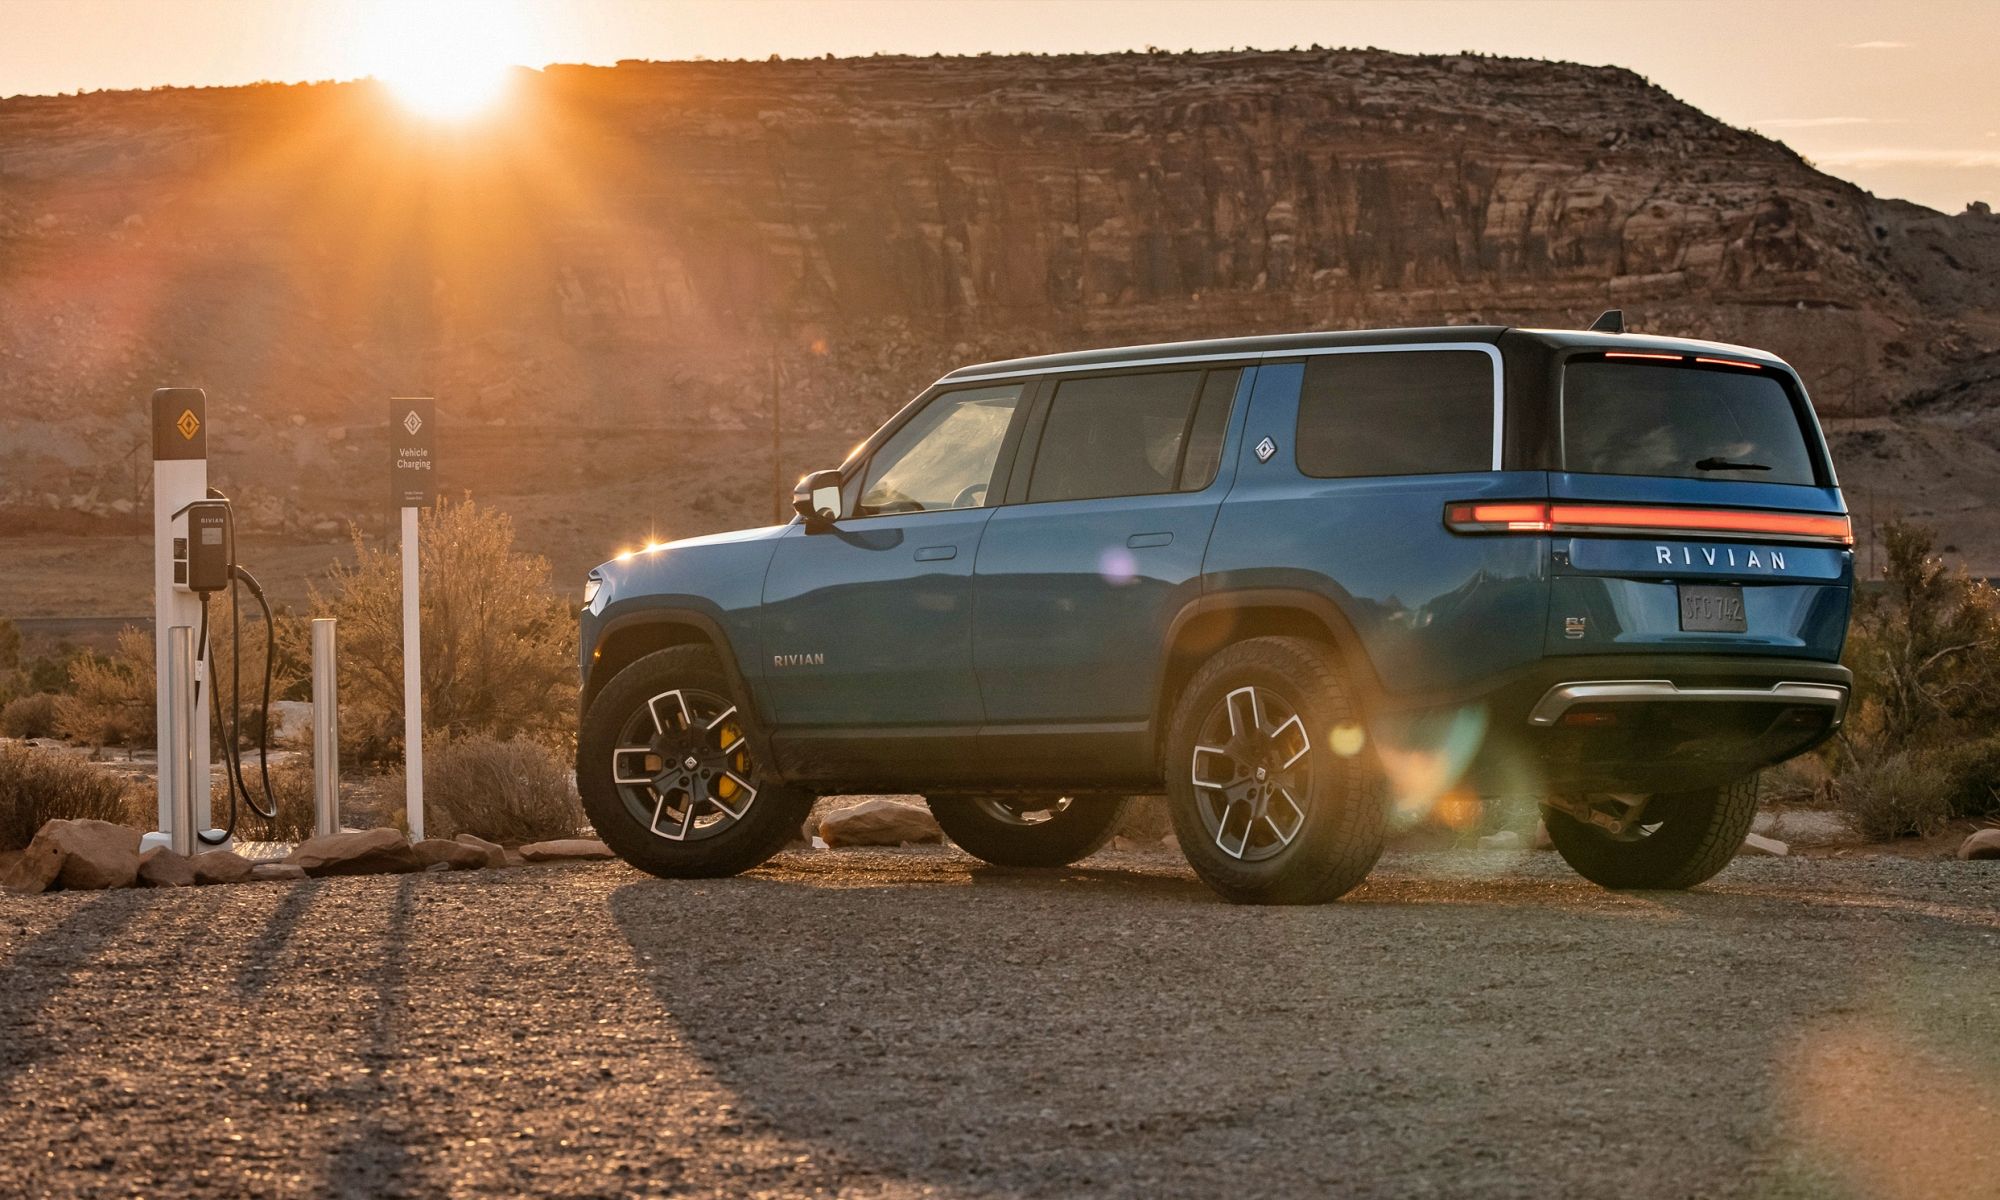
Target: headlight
{"points": [[591, 583]]}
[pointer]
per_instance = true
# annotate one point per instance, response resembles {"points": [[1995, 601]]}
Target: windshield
{"points": [[1622, 418]]}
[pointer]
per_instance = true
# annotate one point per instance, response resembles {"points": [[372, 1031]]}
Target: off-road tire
{"points": [[1074, 834], [1699, 832], [1344, 819], [772, 819]]}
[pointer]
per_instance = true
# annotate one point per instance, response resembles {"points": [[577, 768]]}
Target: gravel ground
{"points": [[905, 1023]]}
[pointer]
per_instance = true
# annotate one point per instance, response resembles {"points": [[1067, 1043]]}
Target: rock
{"points": [[95, 854], [366, 852], [879, 822], [269, 872], [1804, 827], [566, 848], [1756, 845], [291, 721], [494, 853], [221, 866], [1506, 839], [1541, 839], [32, 871], [1984, 843], [453, 856], [161, 867]]}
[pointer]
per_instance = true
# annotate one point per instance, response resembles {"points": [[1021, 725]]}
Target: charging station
{"points": [[194, 561], [180, 481]]}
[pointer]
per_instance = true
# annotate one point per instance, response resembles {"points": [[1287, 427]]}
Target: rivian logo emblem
{"points": [[413, 422], [798, 660], [189, 424]]}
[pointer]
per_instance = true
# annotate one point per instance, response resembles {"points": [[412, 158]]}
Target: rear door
{"points": [[1100, 545], [1739, 545]]}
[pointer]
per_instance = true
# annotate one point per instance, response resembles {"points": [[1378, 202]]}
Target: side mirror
{"points": [[816, 497]]}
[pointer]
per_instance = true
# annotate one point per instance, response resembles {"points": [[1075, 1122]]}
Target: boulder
{"points": [[1541, 839], [1984, 843], [366, 852], [454, 856], [1756, 845], [566, 848], [34, 870], [879, 822], [221, 866], [95, 854], [1505, 839], [266, 872], [495, 854], [161, 867]]}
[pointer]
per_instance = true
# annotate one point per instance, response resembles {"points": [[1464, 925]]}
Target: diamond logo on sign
{"points": [[189, 424], [413, 422], [1265, 449]]}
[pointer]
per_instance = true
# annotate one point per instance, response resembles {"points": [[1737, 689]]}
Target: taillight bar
{"points": [[1558, 516]]}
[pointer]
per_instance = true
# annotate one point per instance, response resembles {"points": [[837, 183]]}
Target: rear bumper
{"points": [[1659, 723]]}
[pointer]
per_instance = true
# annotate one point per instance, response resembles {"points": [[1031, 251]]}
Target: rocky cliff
{"points": [[650, 245]]}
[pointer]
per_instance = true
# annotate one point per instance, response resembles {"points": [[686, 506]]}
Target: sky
{"points": [[1898, 97]]}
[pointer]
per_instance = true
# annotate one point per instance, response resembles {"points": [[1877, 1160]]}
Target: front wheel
{"points": [[667, 776], [1269, 803], [1674, 841], [1010, 831]]}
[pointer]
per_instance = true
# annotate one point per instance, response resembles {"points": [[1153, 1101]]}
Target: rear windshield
{"points": [[1623, 418]]}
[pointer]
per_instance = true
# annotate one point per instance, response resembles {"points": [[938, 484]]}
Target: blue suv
{"points": [[1307, 586]]}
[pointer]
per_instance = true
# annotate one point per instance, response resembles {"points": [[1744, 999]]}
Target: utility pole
{"points": [[777, 444]]}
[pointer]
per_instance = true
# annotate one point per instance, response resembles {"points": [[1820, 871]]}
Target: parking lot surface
{"points": [[914, 1023]]}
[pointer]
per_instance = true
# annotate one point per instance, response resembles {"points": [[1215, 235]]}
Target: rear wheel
{"points": [[1011, 831], [1673, 841], [667, 775], [1265, 808]]}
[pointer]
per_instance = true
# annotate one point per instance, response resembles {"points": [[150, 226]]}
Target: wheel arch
{"points": [[627, 639], [1212, 622]]}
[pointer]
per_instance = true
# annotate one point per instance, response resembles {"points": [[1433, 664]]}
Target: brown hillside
{"points": [[626, 252]]}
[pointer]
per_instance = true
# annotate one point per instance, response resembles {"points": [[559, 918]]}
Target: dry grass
{"points": [[37, 786], [513, 791]]}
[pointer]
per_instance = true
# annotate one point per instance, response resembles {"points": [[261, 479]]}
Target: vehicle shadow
{"points": [[1118, 1031]]}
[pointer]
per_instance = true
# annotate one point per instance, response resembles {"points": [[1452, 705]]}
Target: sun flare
{"points": [[445, 60]]}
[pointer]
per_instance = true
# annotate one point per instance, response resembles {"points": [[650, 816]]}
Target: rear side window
{"points": [[1132, 435], [1623, 418], [1406, 412]]}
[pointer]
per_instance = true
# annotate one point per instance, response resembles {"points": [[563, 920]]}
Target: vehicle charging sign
{"points": [[413, 452]]}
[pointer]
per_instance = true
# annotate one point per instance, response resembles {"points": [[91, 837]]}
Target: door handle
{"points": [[936, 553], [1139, 541]]}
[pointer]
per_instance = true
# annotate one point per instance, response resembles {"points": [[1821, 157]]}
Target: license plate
{"points": [[1712, 609]]}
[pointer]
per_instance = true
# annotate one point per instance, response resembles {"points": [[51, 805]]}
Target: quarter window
{"points": [[1406, 412], [1132, 435], [943, 458]]}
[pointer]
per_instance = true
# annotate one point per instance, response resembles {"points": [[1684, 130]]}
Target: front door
{"points": [[868, 623]]}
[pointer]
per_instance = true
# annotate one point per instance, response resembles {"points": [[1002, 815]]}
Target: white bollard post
{"points": [[413, 689], [326, 730], [177, 757]]}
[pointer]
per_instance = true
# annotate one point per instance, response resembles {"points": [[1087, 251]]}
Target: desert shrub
{"points": [[1908, 792], [1974, 770], [37, 786], [111, 699], [499, 645], [292, 790], [1925, 655], [30, 716], [518, 790]]}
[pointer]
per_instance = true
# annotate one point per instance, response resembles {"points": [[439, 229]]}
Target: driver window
{"points": [[944, 457]]}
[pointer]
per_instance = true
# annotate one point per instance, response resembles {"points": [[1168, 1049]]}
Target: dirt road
{"points": [[1470, 1024]]}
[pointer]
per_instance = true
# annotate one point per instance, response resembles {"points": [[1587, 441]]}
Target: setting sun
{"points": [[446, 60]]}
